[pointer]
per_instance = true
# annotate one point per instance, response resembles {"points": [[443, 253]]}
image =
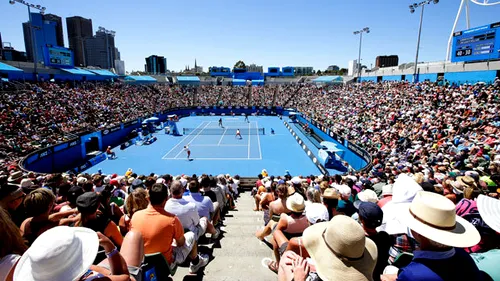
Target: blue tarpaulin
{"points": [[188, 79], [6, 67], [103, 72], [77, 71], [133, 78], [329, 79]]}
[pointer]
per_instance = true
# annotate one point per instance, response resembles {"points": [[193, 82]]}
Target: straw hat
{"points": [[340, 250], [433, 216], [489, 209], [330, 193], [66, 258], [17, 175], [295, 203]]}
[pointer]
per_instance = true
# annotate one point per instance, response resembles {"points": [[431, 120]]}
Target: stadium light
{"points": [[412, 10], [360, 32], [33, 42]]}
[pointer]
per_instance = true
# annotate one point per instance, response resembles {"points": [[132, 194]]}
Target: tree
{"points": [[240, 64], [343, 71], [318, 72]]}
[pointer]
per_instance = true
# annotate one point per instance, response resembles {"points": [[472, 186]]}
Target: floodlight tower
{"points": [[465, 5], [360, 32], [413, 7]]}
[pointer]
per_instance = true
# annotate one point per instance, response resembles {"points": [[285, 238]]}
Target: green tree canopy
{"points": [[240, 64]]}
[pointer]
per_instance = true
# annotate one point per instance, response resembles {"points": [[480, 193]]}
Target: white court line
{"points": [[231, 159], [187, 136], [249, 137], [223, 145], [221, 137], [258, 139], [193, 138]]}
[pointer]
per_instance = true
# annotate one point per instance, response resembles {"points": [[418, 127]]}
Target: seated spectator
{"points": [[345, 206], [288, 226], [11, 198], [338, 249], [185, 211], [12, 246], [371, 216], [204, 206], [266, 198], [276, 208], [70, 256], [331, 200], [110, 153], [136, 201], [441, 235], [386, 195], [72, 195], [39, 204], [88, 205], [108, 208], [161, 229], [205, 184]]}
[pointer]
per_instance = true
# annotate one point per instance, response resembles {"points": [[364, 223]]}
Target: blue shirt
{"points": [[203, 204], [488, 262], [452, 265]]}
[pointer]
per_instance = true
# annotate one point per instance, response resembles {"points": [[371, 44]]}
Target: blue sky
{"points": [[265, 32]]}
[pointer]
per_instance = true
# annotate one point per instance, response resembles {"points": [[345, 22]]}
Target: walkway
{"points": [[238, 255]]}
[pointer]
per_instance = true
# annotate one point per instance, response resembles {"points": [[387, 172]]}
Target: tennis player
{"points": [[220, 123], [246, 118], [186, 148], [238, 134]]}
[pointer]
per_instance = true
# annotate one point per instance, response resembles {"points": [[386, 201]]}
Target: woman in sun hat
{"points": [[441, 235], [71, 255], [339, 251]]}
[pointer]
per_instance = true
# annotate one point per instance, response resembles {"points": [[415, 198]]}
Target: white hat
{"points": [[268, 184], [295, 203], [387, 190], [26, 183], [130, 180], [66, 258], [489, 209], [344, 190], [366, 195], [316, 212], [434, 216], [184, 182], [296, 180], [81, 180]]}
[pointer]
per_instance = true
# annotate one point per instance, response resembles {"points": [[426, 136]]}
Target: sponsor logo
{"points": [[45, 153], [114, 129], [105, 132], [73, 143]]}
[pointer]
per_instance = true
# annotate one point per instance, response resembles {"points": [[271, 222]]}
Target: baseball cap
{"points": [[371, 214], [74, 192], [87, 202], [316, 212], [366, 195]]}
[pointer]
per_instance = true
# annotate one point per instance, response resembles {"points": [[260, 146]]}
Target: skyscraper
{"points": [[45, 29], [100, 50], [156, 64], [79, 29]]}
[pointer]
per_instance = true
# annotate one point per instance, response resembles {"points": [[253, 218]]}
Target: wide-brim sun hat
{"points": [[434, 216], [60, 253], [295, 203], [340, 250], [489, 209]]}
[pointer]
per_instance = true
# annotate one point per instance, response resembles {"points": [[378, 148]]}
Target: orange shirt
{"points": [[159, 228]]}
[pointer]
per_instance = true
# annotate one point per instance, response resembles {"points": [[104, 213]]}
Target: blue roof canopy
{"points": [[6, 67], [188, 79], [140, 78], [103, 72], [329, 79], [77, 71]]}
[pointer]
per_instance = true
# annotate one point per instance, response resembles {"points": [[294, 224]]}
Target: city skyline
{"points": [[292, 33]]}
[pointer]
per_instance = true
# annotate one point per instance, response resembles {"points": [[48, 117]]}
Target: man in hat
{"points": [[441, 235], [11, 198]]}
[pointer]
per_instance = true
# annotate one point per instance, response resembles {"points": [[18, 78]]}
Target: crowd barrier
{"points": [[72, 154]]}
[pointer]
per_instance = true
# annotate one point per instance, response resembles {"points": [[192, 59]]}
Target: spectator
{"points": [[110, 153], [441, 235], [338, 249], [160, 229], [345, 206], [12, 246], [11, 198], [204, 206], [386, 195], [88, 205], [330, 200], [136, 201]]}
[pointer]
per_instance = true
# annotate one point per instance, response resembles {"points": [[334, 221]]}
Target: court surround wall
{"points": [[71, 155]]}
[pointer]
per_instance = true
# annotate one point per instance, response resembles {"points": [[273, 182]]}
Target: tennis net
{"points": [[220, 131]]}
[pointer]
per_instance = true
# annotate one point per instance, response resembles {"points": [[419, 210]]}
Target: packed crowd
{"points": [[419, 226], [109, 227]]}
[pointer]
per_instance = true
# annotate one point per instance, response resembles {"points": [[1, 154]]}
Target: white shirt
{"points": [[185, 211]]}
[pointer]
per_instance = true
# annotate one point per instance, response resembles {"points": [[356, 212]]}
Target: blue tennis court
{"points": [[216, 150]]}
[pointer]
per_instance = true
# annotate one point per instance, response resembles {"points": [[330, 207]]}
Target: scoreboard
{"points": [[477, 44], [58, 57]]}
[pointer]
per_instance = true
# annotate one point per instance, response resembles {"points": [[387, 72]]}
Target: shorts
{"points": [[134, 271], [181, 253], [201, 228]]}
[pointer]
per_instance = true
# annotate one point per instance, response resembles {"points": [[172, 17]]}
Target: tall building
{"points": [[1, 46], [117, 54], [333, 68], [387, 61], [79, 29], [100, 50], [59, 27], [303, 70], [255, 68], [45, 33], [120, 67], [156, 64]]}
